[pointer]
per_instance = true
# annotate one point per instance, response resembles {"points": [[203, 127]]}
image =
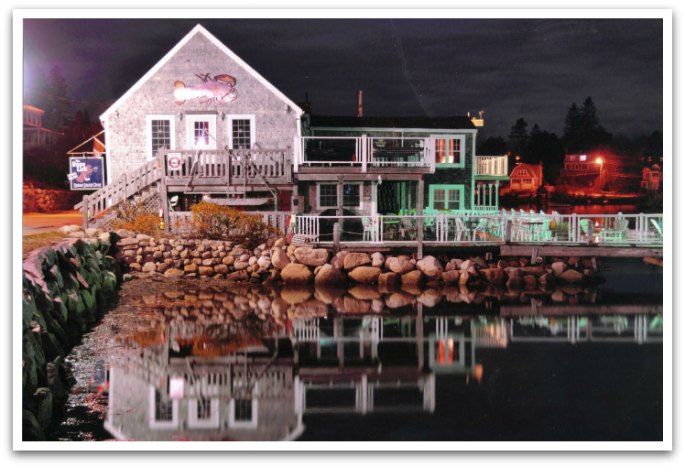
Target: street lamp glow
{"points": [[599, 161]]}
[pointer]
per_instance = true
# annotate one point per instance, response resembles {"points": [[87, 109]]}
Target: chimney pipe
{"points": [[360, 108]]}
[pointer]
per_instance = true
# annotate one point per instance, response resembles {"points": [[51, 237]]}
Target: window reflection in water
{"points": [[246, 365]]}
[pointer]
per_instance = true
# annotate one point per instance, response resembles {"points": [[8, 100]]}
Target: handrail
{"points": [[126, 185]]}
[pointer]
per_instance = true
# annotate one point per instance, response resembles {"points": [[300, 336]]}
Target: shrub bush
{"points": [[214, 221], [130, 218]]}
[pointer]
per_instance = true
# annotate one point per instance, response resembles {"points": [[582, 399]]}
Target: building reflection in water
{"points": [[255, 379]]}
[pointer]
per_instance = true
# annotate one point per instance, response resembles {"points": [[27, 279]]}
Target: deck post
{"points": [[419, 220], [163, 196], [507, 231], [85, 212], [336, 237]]}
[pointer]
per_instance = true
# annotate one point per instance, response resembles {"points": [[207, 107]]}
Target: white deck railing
{"points": [[364, 152], [487, 228], [497, 166]]}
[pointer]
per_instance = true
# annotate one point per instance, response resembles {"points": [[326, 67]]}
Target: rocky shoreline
{"points": [[67, 288], [278, 261]]}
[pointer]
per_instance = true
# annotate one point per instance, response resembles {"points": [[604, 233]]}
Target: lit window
{"points": [[583, 157], [449, 150], [201, 133]]}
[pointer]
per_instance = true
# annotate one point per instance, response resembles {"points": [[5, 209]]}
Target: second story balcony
{"points": [[364, 154], [492, 167]]}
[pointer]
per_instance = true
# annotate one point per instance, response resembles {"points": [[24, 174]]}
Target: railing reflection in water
{"points": [[249, 364]]}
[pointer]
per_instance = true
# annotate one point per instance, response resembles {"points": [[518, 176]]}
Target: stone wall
{"points": [[291, 264], [47, 200], [65, 289]]}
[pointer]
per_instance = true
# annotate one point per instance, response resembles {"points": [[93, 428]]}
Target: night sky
{"points": [[510, 68]]}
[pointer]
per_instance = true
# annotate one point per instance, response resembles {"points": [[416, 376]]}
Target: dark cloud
{"points": [[509, 68]]}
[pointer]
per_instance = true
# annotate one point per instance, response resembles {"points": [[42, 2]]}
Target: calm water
{"points": [[204, 361]]}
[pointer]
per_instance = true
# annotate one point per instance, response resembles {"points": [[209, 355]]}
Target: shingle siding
{"points": [[127, 141]]}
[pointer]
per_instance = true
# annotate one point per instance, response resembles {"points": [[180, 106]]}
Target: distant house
{"points": [[600, 172], [526, 178], [35, 135], [652, 177]]}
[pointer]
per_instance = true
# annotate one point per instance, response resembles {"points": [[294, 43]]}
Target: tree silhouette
{"points": [[582, 130], [518, 137]]}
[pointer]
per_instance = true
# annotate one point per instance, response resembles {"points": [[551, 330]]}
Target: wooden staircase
{"points": [[136, 186]]}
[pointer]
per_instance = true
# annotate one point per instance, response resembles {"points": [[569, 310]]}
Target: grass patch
{"points": [[32, 242]]}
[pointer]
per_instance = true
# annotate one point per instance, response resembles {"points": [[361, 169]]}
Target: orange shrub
{"points": [[215, 221], [129, 218]]}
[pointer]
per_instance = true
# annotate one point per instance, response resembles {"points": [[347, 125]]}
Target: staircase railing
{"points": [[120, 190]]}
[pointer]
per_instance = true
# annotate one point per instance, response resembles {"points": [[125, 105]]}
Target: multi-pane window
{"points": [[241, 133], [204, 409], [160, 135], [201, 133], [446, 198], [328, 197], [164, 410], [243, 410], [448, 150]]}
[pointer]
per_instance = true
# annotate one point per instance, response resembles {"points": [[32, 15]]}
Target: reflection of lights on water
{"points": [[478, 372]]}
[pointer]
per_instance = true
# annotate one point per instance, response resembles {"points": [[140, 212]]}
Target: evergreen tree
{"points": [[492, 146], [55, 101], [582, 130], [518, 137], [571, 129]]}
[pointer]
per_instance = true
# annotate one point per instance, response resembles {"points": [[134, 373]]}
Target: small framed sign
{"points": [[85, 173], [174, 161]]}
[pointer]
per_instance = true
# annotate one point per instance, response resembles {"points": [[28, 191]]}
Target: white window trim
{"points": [[318, 195], [158, 424], [148, 132], [211, 422], [243, 424], [190, 130], [229, 127]]}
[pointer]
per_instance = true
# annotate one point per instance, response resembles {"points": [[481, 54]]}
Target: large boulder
{"points": [[310, 308], [339, 259], [451, 277], [173, 272], [493, 275], [388, 281], [412, 278], [295, 273], [572, 276], [398, 300], [364, 274], [364, 292], [558, 268], [279, 258], [311, 256], [430, 297], [328, 275], [349, 304], [295, 294], [399, 265], [353, 260]]}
